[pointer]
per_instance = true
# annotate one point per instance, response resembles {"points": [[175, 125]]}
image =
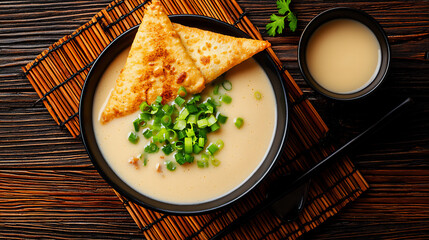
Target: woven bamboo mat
{"points": [[59, 72]]}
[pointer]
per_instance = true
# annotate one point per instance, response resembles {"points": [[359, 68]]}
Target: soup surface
{"points": [[244, 148], [343, 56]]}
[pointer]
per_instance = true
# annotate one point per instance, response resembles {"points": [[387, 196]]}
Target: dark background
{"points": [[49, 188]]}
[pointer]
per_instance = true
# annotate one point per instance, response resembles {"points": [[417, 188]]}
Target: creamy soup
{"points": [[242, 153], [343, 56]]}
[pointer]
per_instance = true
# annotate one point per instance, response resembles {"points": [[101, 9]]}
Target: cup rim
{"points": [[357, 15]]}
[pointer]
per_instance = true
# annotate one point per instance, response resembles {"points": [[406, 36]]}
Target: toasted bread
{"points": [[215, 53], [157, 65]]}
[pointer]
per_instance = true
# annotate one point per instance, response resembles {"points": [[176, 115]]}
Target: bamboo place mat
{"points": [[59, 72]]}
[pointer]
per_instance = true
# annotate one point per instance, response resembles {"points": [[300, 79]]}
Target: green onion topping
{"points": [[238, 122], [167, 149], [179, 101], [227, 85], [216, 89], [215, 162], [170, 165], [181, 128], [226, 99], [182, 92], [133, 138], [212, 148], [151, 148]]}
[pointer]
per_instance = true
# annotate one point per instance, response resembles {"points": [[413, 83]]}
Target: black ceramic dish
{"points": [[348, 13], [87, 132]]}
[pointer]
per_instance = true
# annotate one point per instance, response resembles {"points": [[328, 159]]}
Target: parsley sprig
{"points": [[277, 23]]}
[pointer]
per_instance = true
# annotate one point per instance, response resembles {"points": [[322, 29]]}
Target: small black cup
{"points": [[344, 13]]}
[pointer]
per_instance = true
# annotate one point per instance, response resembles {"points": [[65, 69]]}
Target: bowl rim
{"points": [[280, 135], [383, 41]]}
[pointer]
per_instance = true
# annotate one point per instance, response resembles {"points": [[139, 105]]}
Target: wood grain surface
{"points": [[49, 188]]}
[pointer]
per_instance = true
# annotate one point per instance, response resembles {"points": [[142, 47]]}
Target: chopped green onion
{"points": [[151, 148], [167, 109], [239, 122], [180, 158], [161, 136], [213, 102], [216, 89], [182, 92], [203, 132], [197, 149], [219, 144], [133, 138], [182, 134], [182, 127], [192, 108], [156, 126], [144, 107], [167, 149], [154, 109], [147, 133], [210, 108], [188, 145], [196, 98], [145, 116], [179, 101], [143, 158], [200, 115], [166, 120], [178, 145], [189, 158], [226, 99], [202, 123], [258, 95], [183, 114], [215, 162], [192, 119], [221, 118], [211, 120], [214, 127], [170, 165], [136, 123], [227, 85], [204, 162], [158, 99], [171, 135], [212, 148], [180, 124], [201, 142], [190, 132]]}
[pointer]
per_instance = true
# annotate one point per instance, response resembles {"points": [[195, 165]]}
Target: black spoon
{"points": [[292, 197]]}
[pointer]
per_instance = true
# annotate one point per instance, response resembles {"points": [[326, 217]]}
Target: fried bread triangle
{"points": [[157, 65], [215, 53]]}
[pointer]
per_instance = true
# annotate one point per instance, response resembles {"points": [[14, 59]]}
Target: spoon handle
{"points": [[317, 168], [395, 112]]}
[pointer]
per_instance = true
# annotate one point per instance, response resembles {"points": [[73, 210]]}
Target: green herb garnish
{"points": [[133, 138], [170, 165], [239, 122], [181, 128], [277, 23]]}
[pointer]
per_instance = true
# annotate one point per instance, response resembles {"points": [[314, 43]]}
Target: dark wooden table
{"points": [[49, 188]]}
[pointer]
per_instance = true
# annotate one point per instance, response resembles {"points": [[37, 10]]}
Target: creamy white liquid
{"points": [[242, 154], [343, 56]]}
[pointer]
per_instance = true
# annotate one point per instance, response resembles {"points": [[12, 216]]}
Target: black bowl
{"points": [[87, 132], [344, 13]]}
